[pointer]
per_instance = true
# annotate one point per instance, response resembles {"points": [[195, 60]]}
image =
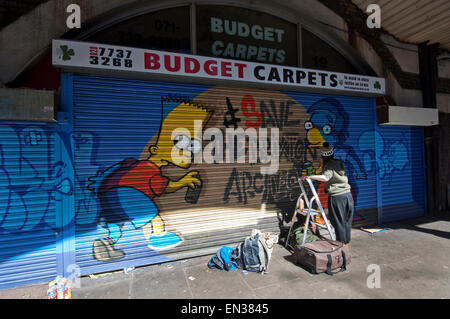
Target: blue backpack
{"points": [[223, 259], [251, 255]]}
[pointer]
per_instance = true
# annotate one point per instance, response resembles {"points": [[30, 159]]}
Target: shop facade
{"points": [[160, 155]]}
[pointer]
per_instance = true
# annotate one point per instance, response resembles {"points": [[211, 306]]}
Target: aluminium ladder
{"points": [[311, 213]]}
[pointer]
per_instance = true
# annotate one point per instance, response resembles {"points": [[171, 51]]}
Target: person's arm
{"points": [[320, 178]]}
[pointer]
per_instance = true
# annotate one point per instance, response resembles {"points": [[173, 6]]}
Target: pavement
{"points": [[408, 260]]}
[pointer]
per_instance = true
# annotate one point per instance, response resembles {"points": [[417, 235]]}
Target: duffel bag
{"points": [[323, 256]]}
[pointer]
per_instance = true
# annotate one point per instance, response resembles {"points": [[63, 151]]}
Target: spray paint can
{"points": [[51, 291], [193, 194], [61, 283]]}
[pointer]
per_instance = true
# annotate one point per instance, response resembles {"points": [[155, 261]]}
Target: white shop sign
{"points": [[74, 54]]}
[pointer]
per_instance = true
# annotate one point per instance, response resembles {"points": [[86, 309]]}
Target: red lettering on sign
{"points": [[240, 67], [167, 64], [211, 67], [225, 69], [246, 102], [191, 65], [151, 61], [93, 50]]}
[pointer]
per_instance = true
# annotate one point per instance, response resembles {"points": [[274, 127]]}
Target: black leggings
{"points": [[340, 208]]}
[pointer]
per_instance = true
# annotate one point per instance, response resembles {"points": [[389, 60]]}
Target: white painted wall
{"points": [[403, 97], [407, 55], [366, 50]]}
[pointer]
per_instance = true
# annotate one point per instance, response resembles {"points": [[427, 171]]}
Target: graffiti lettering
{"points": [[244, 185], [26, 178], [227, 121], [392, 155], [294, 148], [249, 102], [277, 116]]}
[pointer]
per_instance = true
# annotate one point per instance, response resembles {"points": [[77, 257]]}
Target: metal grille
{"points": [[401, 171], [28, 187]]}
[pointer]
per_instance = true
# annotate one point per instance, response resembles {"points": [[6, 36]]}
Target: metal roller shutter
{"points": [[29, 185], [348, 125], [118, 119], [401, 170]]}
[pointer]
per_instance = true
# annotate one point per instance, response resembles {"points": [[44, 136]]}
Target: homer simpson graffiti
{"points": [[127, 189]]}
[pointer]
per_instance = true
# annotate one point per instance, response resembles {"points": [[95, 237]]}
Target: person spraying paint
{"points": [[340, 200]]}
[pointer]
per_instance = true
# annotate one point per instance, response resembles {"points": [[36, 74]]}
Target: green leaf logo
{"points": [[377, 85], [66, 52]]}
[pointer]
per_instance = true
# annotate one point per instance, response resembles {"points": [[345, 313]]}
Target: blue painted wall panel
{"points": [[29, 185]]}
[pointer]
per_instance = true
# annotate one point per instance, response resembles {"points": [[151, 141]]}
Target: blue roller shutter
{"points": [[29, 185], [351, 122], [114, 120], [401, 171], [117, 121]]}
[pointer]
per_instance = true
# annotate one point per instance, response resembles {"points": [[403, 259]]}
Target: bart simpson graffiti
{"points": [[126, 190]]}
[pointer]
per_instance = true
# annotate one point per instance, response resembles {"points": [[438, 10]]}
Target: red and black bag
{"points": [[323, 256]]}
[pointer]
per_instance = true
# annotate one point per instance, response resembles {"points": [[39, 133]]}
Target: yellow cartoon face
{"points": [[180, 136]]}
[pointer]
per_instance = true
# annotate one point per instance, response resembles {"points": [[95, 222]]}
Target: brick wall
{"points": [[11, 10]]}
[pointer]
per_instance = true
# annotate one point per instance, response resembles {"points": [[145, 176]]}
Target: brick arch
{"points": [[29, 65]]}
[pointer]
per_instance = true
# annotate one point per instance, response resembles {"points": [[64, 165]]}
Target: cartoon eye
{"points": [[195, 146], [182, 142], [326, 129], [308, 125]]}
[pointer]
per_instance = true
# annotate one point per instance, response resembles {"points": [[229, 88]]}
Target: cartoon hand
{"points": [[191, 181]]}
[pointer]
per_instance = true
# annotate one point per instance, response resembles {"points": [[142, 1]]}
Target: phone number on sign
{"points": [[110, 57]]}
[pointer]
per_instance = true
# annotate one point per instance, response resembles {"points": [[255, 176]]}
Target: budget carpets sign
{"points": [[73, 54]]}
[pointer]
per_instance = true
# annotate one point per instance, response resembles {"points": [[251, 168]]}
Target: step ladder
{"points": [[310, 213]]}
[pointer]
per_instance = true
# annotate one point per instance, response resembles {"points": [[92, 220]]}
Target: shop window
{"points": [[167, 29], [317, 54], [243, 34]]}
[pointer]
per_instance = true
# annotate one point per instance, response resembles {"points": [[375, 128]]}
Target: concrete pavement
{"points": [[413, 258]]}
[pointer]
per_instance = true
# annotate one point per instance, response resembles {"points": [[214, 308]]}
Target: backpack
{"points": [[296, 237], [252, 254], [223, 259]]}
